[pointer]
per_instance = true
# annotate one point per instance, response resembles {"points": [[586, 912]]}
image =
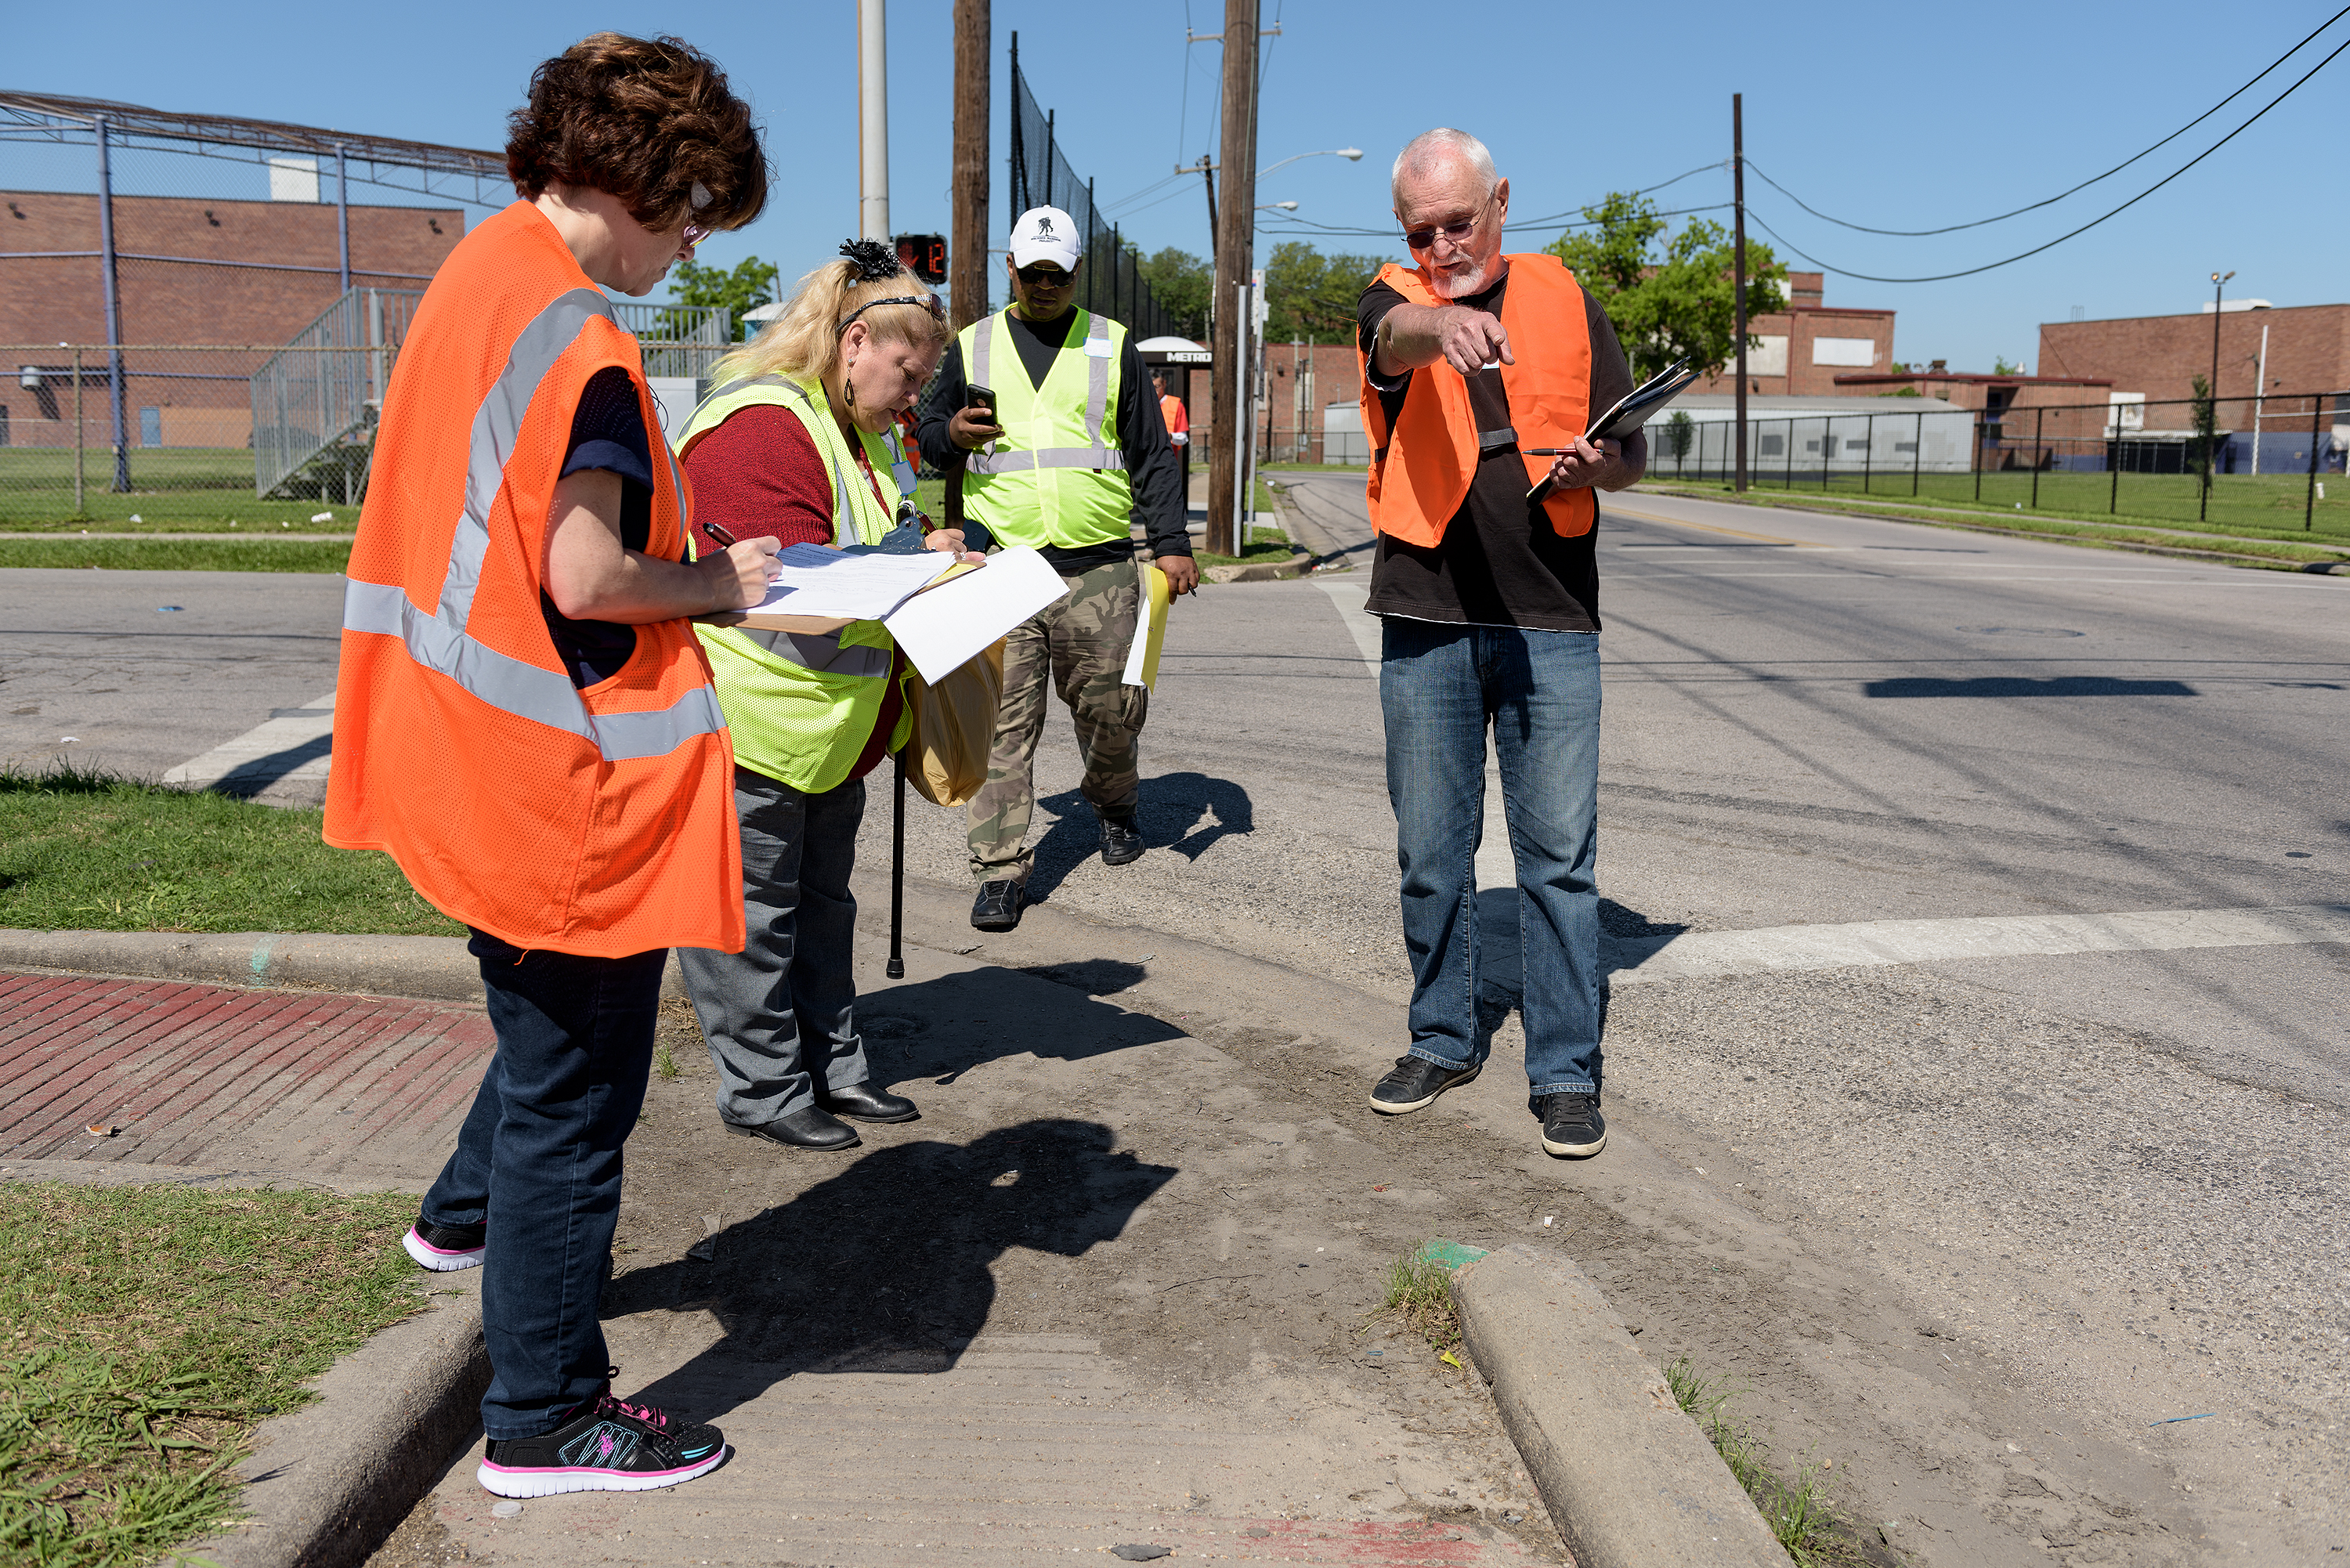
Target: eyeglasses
{"points": [[1037, 277], [929, 302], [1422, 238], [694, 235]]}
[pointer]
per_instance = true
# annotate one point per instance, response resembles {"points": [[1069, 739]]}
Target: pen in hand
{"points": [[724, 539]]}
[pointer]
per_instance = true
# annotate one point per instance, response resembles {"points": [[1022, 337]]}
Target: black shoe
{"points": [[1121, 845], [607, 1445], [444, 1248], [867, 1104], [811, 1126], [997, 907], [1572, 1125], [1415, 1084]]}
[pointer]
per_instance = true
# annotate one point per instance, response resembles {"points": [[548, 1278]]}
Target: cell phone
{"points": [[977, 396]]}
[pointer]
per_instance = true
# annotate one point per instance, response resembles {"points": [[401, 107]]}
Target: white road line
{"points": [[1698, 955], [246, 758]]}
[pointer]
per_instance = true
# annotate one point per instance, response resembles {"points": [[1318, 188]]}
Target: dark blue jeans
{"points": [[1440, 686], [539, 1160]]}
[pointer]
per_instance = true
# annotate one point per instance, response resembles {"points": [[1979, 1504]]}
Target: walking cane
{"points": [[897, 970]]}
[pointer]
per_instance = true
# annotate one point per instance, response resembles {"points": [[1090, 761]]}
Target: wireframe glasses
{"points": [[1423, 238]]}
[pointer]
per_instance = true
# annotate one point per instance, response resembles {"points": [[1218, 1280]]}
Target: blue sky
{"points": [[1894, 115]]}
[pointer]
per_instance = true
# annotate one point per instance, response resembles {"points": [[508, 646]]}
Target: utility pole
{"points": [[872, 122], [1229, 405], [2211, 435], [1737, 197], [967, 252]]}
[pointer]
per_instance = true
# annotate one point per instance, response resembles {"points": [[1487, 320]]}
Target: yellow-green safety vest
{"points": [[1056, 476], [802, 706]]}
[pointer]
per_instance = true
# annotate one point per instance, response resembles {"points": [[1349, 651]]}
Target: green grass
{"points": [[173, 555], [148, 1329], [89, 850], [1264, 545], [1420, 1297], [1800, 1513], [2249, 506], [192, 488]]}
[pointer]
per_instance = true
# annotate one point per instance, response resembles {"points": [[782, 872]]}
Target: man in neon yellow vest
{"points": [[1073, 456]]}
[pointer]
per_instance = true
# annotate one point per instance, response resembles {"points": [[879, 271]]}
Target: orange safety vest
{"points": [[1420, 470], [1170, 413], [597, 821]]}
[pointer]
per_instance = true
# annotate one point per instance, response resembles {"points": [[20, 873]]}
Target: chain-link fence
{"points": [[206, 435], [1111, 283], [2258, 464]]}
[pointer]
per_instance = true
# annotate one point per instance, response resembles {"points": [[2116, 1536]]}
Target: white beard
{"points": [[1456, 284]]}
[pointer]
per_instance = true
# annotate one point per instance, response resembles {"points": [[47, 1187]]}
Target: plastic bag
{"points": [[955, 727]]}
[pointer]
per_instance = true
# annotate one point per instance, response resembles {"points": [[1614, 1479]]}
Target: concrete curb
{"points": [[429, 969], [1629, 1479], [327, 1484], [1262, 572]]}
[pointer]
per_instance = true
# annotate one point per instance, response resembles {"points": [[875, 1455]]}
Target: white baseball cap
{"points": [[1046, 235]]}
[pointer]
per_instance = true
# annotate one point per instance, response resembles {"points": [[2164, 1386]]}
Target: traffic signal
{"points": [[924, 255]]}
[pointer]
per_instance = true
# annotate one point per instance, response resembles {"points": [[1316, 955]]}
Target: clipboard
{"points": [[1150, 630], [1631, 412]]}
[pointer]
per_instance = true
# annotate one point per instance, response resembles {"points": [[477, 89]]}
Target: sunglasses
{"points": [[1423, 239], [1037, 276], [929, 302], [694, 235]]}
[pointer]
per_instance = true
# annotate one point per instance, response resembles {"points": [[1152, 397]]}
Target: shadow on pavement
{"points": [[2026, 685], [887, 1267], [1186, 813]]}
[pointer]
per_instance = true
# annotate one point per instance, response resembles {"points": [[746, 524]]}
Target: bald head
{"points": [[1453, 205], [1443, 151]]}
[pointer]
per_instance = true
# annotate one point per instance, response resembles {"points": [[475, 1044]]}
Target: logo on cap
{"points": [[1044, 230]]}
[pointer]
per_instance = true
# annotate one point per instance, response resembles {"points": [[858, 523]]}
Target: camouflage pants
{"points": [[1080, 643]]}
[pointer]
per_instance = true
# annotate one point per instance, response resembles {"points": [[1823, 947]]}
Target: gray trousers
{"points": [[779, 1015]]}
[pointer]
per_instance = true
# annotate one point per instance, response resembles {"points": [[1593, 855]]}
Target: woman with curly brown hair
{"points": [[526, 722]]}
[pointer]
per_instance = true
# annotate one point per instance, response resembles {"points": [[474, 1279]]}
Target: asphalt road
{"points": [[1968, 1225]]}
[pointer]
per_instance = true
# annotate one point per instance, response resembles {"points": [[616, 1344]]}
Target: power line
{"points": [[1304, 224], [2084, 228], [1979, 223]]}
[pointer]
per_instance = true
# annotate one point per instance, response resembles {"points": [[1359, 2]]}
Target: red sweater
{"points": [[758, 474]]}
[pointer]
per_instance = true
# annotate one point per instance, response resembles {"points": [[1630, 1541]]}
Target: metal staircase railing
{"points": [[316, 401]]}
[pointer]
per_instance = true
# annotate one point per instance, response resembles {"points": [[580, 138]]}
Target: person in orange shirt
{"points": [[1171, 411], [525, 721]]}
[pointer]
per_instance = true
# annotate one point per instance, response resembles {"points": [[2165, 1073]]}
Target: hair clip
{"points": [[874, 261]]}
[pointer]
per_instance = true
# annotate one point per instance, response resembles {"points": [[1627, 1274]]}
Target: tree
{"points": [[751, 284], [2203, 410], [1671, 300], [1313, 297], [2001, 365], [1181, 283]]}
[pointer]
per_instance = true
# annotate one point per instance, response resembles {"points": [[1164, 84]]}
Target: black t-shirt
{"points": [[608, 432], [1500, 563]]}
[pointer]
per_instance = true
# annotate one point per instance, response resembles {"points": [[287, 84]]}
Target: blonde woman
{"points": [[799, 443]]}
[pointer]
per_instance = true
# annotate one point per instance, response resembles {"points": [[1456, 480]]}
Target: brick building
{"points": [[199, 270], [1808, 348], [2158, 357]]}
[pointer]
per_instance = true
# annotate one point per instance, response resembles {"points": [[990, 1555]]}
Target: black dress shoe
{"points": [[867, 1104], [997, 907], [1121, 845], [811, 1126]]}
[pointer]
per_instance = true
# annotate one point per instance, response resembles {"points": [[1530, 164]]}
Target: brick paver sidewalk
{"points": [[322, 1085]]}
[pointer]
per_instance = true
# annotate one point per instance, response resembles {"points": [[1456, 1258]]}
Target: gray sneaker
{"points": [[1572, 1127], [1414, 1084]]}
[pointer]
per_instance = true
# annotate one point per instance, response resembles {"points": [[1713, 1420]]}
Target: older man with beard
{"points": [[1472, 362]]}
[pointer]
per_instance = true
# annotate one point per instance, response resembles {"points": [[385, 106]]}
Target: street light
{"points": [[1282, 206], [2211, 390], [1351, 154]]}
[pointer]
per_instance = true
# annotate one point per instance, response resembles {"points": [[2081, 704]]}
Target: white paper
{"points": [[817, 581], [944, 630]]}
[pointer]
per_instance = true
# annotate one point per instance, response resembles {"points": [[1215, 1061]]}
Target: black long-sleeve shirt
{"points": [[1152, 470]]}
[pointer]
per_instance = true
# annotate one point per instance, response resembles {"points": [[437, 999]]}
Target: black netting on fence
{"points": [[1111, 283]]}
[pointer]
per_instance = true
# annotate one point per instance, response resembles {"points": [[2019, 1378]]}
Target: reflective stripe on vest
{"points": [[1096, 407], [810, 650], [439, 641]]}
